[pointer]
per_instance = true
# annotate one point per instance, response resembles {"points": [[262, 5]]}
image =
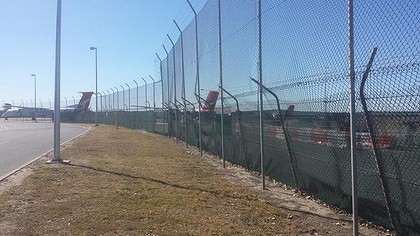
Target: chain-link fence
{"points": [[303, 66]]}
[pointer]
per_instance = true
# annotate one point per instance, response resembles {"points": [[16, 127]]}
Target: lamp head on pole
{"points": [[92, 48]]}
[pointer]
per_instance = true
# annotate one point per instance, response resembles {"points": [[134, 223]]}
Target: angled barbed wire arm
{"points": [[189, 103], [200, 99], [286, 136], [178, 103], [375, 145], [175, 105], [230, 95]]}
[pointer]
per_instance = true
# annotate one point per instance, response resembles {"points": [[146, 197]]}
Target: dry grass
{"points": [[124, 182]]}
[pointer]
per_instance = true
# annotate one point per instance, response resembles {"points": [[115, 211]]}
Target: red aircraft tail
{"points": [[84, 102], [210, 102]]}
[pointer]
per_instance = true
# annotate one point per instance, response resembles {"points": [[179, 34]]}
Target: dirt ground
{"points": [[299, 205], [224, 195]]}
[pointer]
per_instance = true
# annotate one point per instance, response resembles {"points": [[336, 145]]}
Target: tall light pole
{"points": [[74, 100], [66, 100], [129, 105], [154, 100], [96, 84], [34, 75], [57, 118]]}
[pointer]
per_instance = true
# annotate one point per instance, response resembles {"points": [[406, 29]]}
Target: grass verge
{"points": [[125, 182]]}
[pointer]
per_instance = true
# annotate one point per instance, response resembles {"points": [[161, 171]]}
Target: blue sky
{"points": [[127, 34]]}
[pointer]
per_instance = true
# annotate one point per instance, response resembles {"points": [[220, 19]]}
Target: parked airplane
{"points": [[5, 107], [30, 112]]}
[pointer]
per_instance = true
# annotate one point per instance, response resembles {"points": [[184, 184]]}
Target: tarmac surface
{"points": [[23, 142]]}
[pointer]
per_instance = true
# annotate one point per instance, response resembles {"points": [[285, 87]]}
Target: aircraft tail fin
{"points": [[7, 106], [84, 102], [210, 102]]}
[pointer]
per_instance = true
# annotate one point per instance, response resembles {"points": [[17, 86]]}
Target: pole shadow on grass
{"points": [[215, 193]]}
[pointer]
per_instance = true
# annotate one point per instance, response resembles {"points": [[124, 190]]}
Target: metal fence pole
{"points": [[240, 126], [154, 100], [352, 120], [197, 77], [145, 103], [375, 145], [260, 88], [137, 104], [286, 136], [176, 109], [183, 80], [109, 100], [167, 75], [161, 80], [161, 76], [123, 100], [222, 128], [118, 98], [185, 102], [129, 96]]}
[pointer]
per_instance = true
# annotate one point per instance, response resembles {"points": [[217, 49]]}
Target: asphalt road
{"points": [[21, 143]]}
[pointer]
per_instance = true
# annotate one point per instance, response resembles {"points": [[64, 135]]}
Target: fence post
{"points": [[154, 91], [240, 126], [137, 103], [261, 94], [161, 80], [190, 103], [160, 71], [197, 76], [375, 145], [352, 120], [286, 136], [167, 75], [183, 79], [176, 109], [221, 83]]}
